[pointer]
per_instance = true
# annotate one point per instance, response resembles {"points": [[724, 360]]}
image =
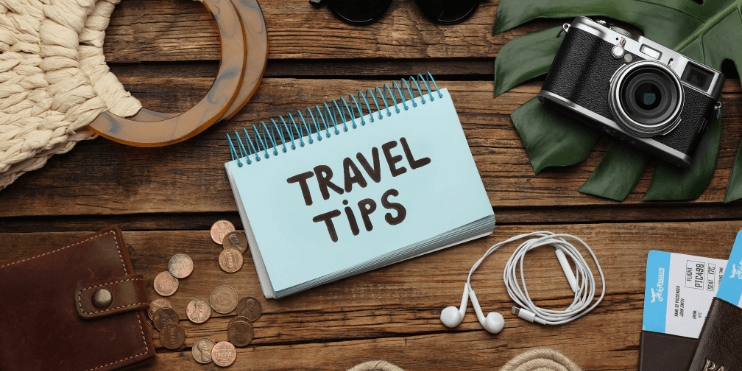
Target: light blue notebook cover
{"points": [[440, 195]]}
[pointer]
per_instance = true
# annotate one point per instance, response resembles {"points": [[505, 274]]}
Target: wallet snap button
{"points": [[102, 298]]}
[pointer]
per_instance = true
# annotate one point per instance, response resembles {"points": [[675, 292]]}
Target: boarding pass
{"points": [[679, 290], [731, 290]]}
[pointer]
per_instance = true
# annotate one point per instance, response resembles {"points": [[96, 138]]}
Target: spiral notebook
{"points": [[353, 185]]}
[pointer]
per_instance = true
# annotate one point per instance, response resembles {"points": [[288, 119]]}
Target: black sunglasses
{"points": [[360, 12]]}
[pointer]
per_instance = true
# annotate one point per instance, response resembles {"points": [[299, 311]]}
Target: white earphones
{"points": [[583, 285], [452, 316]]}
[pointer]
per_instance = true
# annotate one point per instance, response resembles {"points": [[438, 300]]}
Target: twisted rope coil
{"points": [[540, 359], [51, 84]]}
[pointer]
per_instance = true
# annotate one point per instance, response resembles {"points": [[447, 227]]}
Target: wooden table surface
{"points": [[165, 199]]}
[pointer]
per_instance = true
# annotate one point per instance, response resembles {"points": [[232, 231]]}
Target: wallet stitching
{"points": [[79, 297], [67, 247], [119, 361]]}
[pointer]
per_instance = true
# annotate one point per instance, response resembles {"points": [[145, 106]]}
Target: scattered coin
{"points": [[172, 336], [201, 350], [220, 229], [223, 354], [163, 316], [236, 240], [180, 266], [240, 333], [166, 284], [157, 304], [250, 308], [223, 299], [230, 260], [238, 318], [198, 311]]}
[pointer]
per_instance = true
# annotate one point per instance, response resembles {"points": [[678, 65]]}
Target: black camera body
{"points": [[637, 90]]}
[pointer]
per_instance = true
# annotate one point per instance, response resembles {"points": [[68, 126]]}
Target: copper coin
{"points": [[172, 336], [157, 304], [163, 316], [230, 260], [250, 308], [240, 333], [220, 229], [180, 266], [201, 350], [238, 318], [236, 240], [223, 354], [223, 299], [198, 311], [166, 284]]}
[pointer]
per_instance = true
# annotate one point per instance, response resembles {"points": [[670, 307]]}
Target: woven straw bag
{"points": [[54, 79]]}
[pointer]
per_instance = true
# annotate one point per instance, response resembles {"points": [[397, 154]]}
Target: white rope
{"points": [[539, 359], [586, 283]]}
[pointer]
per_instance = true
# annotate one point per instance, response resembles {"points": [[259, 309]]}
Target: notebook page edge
{"points": [[263, 277]]}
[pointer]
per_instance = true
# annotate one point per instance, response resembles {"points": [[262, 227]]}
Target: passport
{"points": [[679, 290], [719, 344]]}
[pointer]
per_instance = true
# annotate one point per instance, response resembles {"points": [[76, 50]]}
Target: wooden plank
{"points": [[176, 30], [392, 313], [104, 178], [596, 348]]}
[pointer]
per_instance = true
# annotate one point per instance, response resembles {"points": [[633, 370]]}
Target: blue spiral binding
{"points": [[329, 115]]}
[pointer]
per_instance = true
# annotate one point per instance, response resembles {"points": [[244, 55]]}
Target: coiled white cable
{"points": [[584, 286]]}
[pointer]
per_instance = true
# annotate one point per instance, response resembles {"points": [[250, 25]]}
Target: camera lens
{"points": [[646, 98]]}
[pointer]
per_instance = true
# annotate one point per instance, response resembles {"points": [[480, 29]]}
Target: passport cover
{"points": [[665, 352], [721, 339], [41, 328]]}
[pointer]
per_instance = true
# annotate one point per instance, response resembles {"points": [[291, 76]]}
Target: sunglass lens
{"points": [[447, 11], [359, 12]]}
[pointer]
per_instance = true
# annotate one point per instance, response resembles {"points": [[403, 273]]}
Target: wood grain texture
{"points": [[505, 216], [392, 313], [178, 30], [104, 178]]}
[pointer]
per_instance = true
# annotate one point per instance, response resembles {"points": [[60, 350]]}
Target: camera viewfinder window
{"points": [[697, 76]]}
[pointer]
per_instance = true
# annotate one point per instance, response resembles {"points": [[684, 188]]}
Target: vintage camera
{"points": [[637, 90]]}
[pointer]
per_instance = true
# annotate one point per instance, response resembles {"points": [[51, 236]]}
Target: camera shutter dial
{"points": [[622, 32]]}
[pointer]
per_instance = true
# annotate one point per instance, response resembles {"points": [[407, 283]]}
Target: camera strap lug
{"points": [[717, 110], [565, 29]]}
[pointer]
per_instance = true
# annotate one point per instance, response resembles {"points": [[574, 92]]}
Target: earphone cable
{"points": [[585, 278]]}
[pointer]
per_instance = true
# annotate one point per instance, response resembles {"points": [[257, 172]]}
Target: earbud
{"points": [[452, 316], [494, 321]]}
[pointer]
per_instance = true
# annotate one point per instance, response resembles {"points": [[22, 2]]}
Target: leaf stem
{"points": [[713, 21]]}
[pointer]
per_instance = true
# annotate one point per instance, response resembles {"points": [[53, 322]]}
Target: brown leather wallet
{"points": [[721, 337], [74, 308]]}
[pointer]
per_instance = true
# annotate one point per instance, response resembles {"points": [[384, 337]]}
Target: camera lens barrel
{"points": [[646, 98]]}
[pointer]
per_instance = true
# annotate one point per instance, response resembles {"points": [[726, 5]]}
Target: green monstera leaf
{"points": [[567, 143], [709, 33]]}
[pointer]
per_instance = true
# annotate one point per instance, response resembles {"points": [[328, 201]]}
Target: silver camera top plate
{"points": [[647, 49]]}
